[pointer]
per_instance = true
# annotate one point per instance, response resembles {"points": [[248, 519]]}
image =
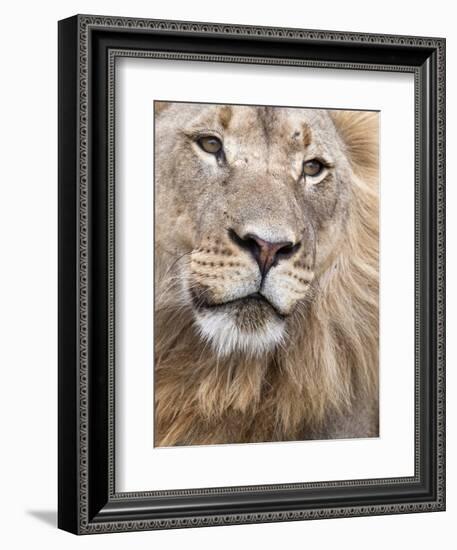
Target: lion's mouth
{"points": [[255, 301]]}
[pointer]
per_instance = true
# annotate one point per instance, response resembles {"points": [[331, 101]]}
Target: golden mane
{"points": [[324, 381]]}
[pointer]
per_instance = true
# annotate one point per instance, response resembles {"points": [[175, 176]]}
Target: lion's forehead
{"points": [[255, 125], [283, 124]]}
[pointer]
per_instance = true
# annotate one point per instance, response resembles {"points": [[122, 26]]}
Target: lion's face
{"points": [[251, 204]]}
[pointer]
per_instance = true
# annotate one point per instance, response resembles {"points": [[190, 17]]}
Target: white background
{"points": [[28, 303], [139, 466]]}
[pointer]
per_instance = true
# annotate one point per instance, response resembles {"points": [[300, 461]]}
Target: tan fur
{"points": [[321, 381]]}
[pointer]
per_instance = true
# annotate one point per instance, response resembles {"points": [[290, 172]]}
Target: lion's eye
{"points": [[312, 167], [210, 144]]}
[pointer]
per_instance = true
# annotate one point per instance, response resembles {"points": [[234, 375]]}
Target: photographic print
{"points": [[266, 324]]}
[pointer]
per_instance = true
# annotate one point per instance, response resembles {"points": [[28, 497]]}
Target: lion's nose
{"points": [[266, 253]]}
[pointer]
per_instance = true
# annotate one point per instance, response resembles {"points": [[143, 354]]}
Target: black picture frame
{"points": [[87, 501]]}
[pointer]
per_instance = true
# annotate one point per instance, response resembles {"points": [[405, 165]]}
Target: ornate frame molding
{"points": [[77, 515]]}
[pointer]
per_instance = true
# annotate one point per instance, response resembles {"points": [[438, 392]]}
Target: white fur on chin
{"points": [[220, 330]]}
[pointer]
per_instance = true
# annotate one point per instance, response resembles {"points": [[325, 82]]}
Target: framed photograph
{"points": [[251, 274]]}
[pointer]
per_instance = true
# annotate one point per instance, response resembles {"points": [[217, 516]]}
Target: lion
{"points": [[266, 274]]}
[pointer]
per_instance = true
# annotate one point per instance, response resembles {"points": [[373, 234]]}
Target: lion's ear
{"points": [[160, 106], [359, 131]]}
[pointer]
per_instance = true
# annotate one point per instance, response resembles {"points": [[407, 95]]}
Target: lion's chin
{"points": [[227, 334]]}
